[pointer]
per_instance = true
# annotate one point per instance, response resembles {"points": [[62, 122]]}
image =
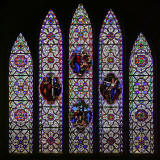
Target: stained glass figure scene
{"points": [[80, 61], [20, 98], [80, 115], [141, 97], [110, 86], [50, 86], [80, 83]]}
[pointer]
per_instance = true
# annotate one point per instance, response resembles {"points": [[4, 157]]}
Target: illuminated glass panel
{"points": [[20, 98], [80, 83], [50, 86], [110, 86], [141, 97]]}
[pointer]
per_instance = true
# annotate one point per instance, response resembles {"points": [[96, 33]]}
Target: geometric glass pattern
{"points": [[141, 97], [50, 86], [80, 83], [110, 86], [20, 98]]}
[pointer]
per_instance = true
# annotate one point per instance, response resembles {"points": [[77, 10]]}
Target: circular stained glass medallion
{"points": [[141, 115], [141, 60]]}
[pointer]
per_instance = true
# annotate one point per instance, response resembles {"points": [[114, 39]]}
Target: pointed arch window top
{"points": [[141, 61], [111, 18], [141, 45], [50, 19], [110, 31], [20, 45], [80, 16], [50, 31]]}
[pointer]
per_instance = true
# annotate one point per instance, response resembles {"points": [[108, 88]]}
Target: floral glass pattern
{"points": [[141, 97], [50, 85], [80, 83], [20, 98], [110, 86]]}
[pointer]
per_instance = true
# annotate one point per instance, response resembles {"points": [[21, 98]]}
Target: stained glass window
{"points": [[80, 83], [141, 97], [110, 86], [50, 86], [20, 98]]}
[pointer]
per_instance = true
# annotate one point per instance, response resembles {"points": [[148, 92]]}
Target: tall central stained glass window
{"points": [[50, 86], [80, 83], [110, 86]]}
